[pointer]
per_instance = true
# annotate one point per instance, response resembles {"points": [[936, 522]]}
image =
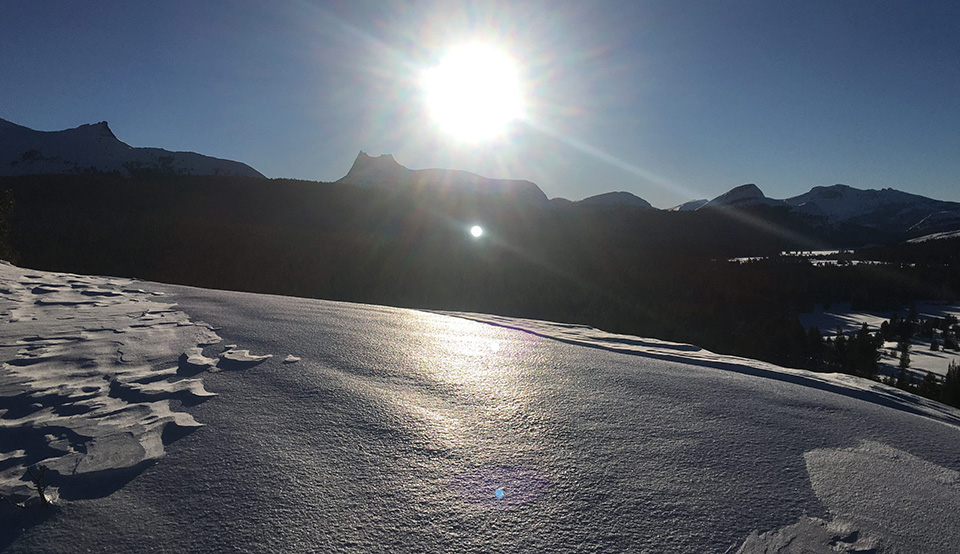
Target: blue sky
{"points": [[669, 100]]}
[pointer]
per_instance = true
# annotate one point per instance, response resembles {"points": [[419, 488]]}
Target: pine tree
{"points": [[950, 391], [904, 348]]}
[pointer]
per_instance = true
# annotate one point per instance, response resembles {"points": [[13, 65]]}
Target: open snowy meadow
{"points": [[177, 419]]}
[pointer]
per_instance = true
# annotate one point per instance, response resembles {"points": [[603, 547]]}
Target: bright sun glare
{"points": [[474, 92], [476, 231]]}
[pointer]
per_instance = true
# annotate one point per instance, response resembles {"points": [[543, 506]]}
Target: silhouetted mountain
{"points": [[611, 199], [742, 196], [93, 148], [384, 171]]}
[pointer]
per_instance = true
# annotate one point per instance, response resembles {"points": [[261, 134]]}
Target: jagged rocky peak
{"points": [[91, 131], [103, 129], [384, 171], [366, 162], [370, 170], [364, 159]]}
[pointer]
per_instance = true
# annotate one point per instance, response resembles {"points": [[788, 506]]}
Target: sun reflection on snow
{"points": [[470, 395]]}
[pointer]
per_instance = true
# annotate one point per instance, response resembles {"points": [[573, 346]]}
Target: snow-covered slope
{"points": [[611, 199], [690, 206], [384, 171], [843, 203], [936, 236], [95, 149], [404, 431]]}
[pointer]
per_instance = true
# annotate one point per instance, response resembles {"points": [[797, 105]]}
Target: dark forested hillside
{"points": [[623, 269]]}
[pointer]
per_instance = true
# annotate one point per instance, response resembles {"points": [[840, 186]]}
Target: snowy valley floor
{"points": [[375, 429]]}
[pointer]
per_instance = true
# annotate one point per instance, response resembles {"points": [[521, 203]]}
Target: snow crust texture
{"points": [[404, 431], [89, 370]]}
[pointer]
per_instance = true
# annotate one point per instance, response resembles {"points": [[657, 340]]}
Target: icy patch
{"points": [[88, 372]]}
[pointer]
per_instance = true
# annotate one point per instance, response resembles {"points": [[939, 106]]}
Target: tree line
{"points": [[624, 270]]}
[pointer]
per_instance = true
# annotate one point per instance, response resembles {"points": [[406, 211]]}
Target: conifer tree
{"points": [[904, 348], [950, 391]]}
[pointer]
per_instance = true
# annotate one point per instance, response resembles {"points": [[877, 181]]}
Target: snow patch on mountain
{"points": [[690, 206], [842, 202], [936, 236]]}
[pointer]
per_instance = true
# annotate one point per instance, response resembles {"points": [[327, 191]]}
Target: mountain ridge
{"points": [[94, 148], [837, 205]]}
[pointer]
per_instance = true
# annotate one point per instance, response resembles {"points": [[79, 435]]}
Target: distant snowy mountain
{"points": [[93, 148], [887, 209], [844, 203], [611, 199], [384, 171]]}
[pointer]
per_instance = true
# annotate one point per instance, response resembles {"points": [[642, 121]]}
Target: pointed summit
{"points": [[103, 130], [370, 171]]}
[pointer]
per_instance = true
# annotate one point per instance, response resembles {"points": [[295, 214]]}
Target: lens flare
{"points": [[474, 92]]}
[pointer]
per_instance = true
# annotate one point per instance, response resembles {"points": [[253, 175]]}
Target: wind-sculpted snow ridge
{"points": [[89, 370], [847, 385]]}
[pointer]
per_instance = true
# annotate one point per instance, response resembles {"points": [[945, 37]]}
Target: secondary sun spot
{"points": [[474, 92], [476, 231]]}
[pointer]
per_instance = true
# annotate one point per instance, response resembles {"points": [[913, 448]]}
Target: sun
{"points": [[474, 93]]}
